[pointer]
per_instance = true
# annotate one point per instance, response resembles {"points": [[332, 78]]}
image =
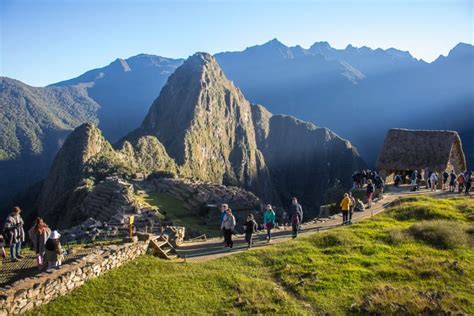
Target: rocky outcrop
{"points": [[202, 128], [304, 160], [79, 184], [205, 124]]}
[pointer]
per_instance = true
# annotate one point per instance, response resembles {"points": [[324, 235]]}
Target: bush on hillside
{"points": [[440, 234], [419, 211]]}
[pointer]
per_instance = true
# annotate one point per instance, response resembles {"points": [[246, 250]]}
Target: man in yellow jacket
{"points": [[345, 207]]}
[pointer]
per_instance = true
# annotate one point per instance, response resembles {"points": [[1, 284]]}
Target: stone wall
{"points": [[29, 293]]}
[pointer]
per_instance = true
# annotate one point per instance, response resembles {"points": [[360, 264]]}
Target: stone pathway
{"points": [[213, 248]]}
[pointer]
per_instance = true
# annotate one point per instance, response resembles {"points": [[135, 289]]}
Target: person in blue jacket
{"points": [[269, 221]]}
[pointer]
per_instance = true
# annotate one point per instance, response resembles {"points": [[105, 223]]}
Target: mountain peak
{"points": [[461, 49], [274, 43]]}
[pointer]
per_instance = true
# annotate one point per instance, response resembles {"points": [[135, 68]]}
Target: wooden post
{"points": [[131, 220]]}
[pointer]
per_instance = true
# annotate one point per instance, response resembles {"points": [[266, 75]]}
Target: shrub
{"points": [[418, 211], [440, 234], [396, 237]]}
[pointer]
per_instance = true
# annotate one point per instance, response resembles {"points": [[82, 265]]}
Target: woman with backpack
{"points": [[53, 251], [250, 228], [39, 234], [269, 221]]}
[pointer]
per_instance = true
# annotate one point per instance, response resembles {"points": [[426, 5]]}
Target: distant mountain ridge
{"points": [[202, 127], [358, 92]]}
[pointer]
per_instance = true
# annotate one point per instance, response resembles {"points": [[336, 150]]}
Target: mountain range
{"points": [[358, 92], [202, 127]]}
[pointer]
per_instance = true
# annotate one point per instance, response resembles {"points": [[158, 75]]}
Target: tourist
{"points": [[414, 179], [296, 219], [39, 234], [224, 208], [445, 180], [460, 180], [250, 228], [15, 233], [379, 184], [397, 180], [269, 221], [370, 192], [2, 247], [53, 251], [433, 181], [468, 182], [360, 207], [352, 207], [345, 207], [418, 180], [295, 206], [426, 175], [452, 181], [228, 225]]}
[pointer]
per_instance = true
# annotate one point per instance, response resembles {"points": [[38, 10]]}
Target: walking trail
{"points": [[214, 248]]}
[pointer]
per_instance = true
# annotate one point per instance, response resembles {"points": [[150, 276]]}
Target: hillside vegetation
{"points": [[417, 257]]}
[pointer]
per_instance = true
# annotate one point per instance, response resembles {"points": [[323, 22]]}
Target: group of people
{"points": [[373, 182], [228, 223], [45, 242], [452, 182]]}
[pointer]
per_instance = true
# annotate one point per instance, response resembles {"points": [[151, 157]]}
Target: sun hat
{"points": [[55, 235]]}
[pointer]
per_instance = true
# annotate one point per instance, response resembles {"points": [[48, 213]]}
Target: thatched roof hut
{"points": [[405, 150]]}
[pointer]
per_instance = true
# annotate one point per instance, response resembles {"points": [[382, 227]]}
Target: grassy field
{"points": [[417, 257], [173, 209]]}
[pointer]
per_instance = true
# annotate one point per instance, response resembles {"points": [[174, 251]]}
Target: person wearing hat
{"points": [[14, 233], [53, 250]]}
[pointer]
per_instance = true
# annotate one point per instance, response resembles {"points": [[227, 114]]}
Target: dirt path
{"points": [[213, 248]]}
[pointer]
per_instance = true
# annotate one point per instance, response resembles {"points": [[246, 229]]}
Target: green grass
{"points": [[173, 208], [362, 268]]}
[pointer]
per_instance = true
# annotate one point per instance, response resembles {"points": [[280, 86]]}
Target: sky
{"points": [[46, 41]]}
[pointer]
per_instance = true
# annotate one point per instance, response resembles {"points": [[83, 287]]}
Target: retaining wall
{"points": [[29, 293]]}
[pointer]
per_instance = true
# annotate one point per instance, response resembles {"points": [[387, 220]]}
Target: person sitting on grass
{"points": [[54, 254], [250, 228]]}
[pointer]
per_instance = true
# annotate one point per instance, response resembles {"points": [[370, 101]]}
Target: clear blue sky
{"points": [[47, 41]]}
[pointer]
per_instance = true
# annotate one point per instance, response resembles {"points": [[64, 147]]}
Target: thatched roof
{"points": [[405, 149]]}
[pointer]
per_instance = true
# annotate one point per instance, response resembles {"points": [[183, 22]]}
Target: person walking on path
{"points": [[370, 193], [53, 251], [39, 234], [269, 221], [414, 178], [352, 207], [345, 207], [452, 181], [296, 216], [224, 208], [445, 180], [15, 234], [250, 228], [433, 181], [228, 225], [468, 182], [460, 182]]}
